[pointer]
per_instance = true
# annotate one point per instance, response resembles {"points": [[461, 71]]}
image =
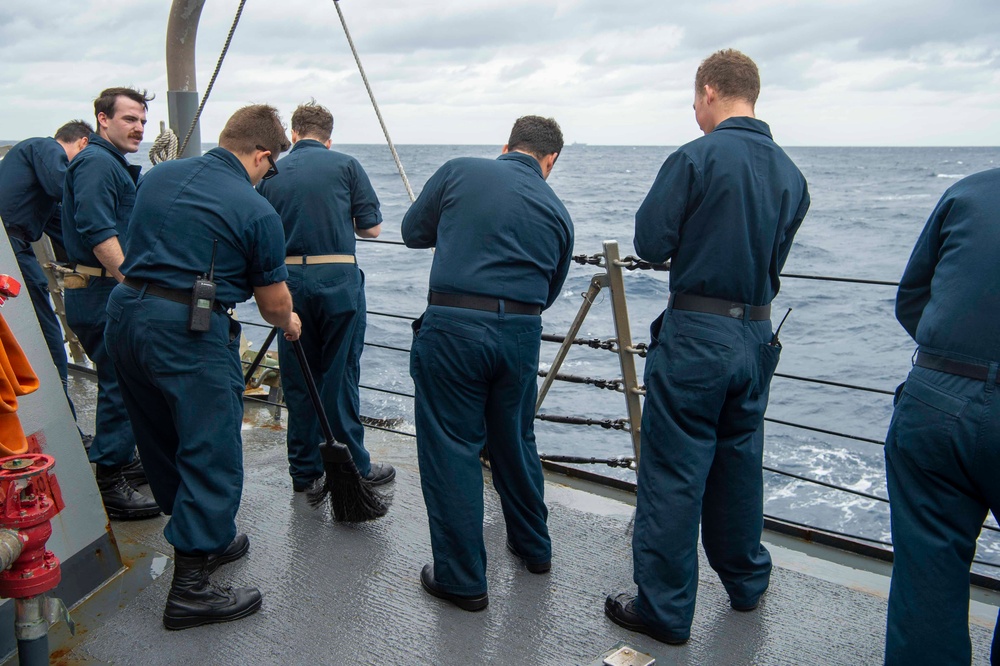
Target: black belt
{"points": [[953, 367], [485, 303], [176, 295], [719, 306]]}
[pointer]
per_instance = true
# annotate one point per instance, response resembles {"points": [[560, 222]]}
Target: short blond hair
{"points": [[731, 73]]}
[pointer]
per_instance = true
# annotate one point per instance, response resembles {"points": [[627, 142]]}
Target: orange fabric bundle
{"points": [[16, 378]]}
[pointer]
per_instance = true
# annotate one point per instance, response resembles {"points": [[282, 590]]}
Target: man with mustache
{"points": [[97, 201]]}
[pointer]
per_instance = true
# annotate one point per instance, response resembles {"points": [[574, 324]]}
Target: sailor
{"points": [[196, 222], [31, 192], [324, 198], [723, 209], [942, 453], [97, 200], [504, 242]]}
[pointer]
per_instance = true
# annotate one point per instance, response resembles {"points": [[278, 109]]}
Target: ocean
{"points": [[868, 206]]}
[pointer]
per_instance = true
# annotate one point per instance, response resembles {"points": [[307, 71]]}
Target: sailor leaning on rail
{"points": [[942, 453], [97, 201], [177, 349], [31, 192], [504, 243], [723, 209], [324, 198]]}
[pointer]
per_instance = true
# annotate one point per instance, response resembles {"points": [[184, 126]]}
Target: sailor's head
{"points": [[539, 137], [727, 84], [312, 121], [121, 117], [74, 137], [256, 135]]}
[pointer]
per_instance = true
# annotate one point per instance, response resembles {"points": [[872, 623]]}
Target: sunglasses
{"points": [[273, 171]]}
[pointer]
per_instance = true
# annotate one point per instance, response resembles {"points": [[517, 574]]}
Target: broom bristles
{"points": [[352, 498]]}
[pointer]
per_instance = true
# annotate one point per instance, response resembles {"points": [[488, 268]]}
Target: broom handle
{"points": [[260, 355], [313, 393]]}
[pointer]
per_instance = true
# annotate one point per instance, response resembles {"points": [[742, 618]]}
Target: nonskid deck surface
{"points": [[350, 594]]}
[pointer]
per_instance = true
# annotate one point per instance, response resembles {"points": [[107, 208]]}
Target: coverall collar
{"points": [[745, 123], [231, 160], [524, 159], [307, 143], [97, 140]]}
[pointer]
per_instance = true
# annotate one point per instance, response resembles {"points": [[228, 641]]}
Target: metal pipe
{"points": [[32, 631], [182, 86], [10, 548]]}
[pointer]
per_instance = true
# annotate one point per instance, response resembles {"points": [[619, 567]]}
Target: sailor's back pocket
{"points": [[927, 424], [697, 356]]}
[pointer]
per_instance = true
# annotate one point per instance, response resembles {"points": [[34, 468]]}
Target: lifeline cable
{"points": [[364, 77]]}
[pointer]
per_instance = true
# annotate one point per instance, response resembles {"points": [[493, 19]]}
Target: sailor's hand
{"points": [[294, 328]]}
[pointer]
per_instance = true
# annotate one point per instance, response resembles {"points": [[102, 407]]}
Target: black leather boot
{"points": [[195, 600], [236, 549], [121, 500], [134, 473]]}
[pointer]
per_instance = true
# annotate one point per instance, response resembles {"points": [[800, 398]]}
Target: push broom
{"points": [[352, 499]]}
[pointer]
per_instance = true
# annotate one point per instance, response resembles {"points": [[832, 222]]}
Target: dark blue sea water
{"points": [[868, 206]]}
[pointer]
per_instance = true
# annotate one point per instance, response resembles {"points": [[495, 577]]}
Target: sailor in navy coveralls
{"points": [[723, 209], [97, 201], [184, 389], [504, 243], [31, 192], [324, 198], [942, 453]]}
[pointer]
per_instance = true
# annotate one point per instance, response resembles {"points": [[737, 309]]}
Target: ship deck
{"points": [[350, 594]]}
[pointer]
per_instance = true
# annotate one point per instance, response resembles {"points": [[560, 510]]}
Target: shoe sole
{"points": [[471, 604], [136, 514], [639, 628], [382, 482], [179, 623]]}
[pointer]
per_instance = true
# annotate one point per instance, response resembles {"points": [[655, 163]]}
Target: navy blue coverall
{"points": [[97, 201], [942, 453], [321, 195], [31, 192], [723, 209], [184, 390], [500, 231]]}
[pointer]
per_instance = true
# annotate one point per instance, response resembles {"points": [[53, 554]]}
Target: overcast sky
{"points": [[619, 72]]}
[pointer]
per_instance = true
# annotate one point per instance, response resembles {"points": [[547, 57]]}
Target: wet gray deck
{"points": [[341, 594]]}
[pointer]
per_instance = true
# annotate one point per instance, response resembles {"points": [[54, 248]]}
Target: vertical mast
{"points": [[182, 87]]}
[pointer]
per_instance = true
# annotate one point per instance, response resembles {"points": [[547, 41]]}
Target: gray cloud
{"points": [[624, 61]]}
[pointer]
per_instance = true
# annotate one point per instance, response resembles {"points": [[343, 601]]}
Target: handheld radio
{"points": [[203, 298]]}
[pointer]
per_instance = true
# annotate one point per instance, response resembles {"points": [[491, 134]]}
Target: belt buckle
{"points": [[736, 310]]}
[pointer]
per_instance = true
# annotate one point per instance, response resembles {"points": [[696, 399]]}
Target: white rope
{"points": [[357, 59], [165, 146]]}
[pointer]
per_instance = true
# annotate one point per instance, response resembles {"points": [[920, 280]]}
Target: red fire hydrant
{"points": [[27, 504]]}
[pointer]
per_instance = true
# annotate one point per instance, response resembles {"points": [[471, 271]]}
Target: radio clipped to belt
{"points": [[775, 342], [203, 298]]}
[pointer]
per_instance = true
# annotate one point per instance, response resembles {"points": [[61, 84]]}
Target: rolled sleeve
{"points": [[267, 258], [95, 201]]}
